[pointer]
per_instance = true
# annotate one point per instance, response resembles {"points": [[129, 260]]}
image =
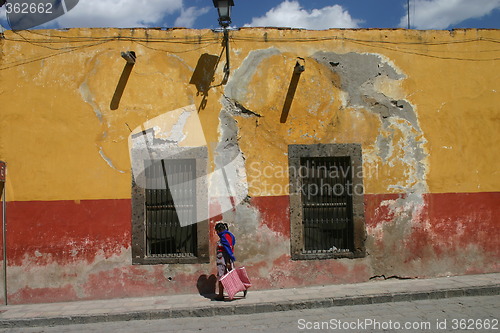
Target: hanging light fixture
{"points": [[224, 9]]}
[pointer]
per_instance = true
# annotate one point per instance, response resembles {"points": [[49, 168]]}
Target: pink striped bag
{"points": [[242, 273], [235, 280]]}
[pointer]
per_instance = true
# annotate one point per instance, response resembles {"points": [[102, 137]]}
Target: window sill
{"points": [[173, 260], [323, 256]]}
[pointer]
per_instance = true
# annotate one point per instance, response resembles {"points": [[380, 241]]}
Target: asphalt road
{"points": [[461, 314]]}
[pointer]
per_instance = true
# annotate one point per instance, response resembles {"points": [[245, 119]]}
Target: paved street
{"points": [[462, 314]]}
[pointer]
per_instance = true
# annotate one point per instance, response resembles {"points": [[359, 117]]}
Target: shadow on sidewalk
{"points": [[206, 286]]}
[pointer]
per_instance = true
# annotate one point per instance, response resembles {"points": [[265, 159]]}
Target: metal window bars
{"points": [[327, 210], [165, 237]]}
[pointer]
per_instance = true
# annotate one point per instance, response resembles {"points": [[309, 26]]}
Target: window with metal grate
{"points": [[327, 204], [170, 199], [326, 201]]}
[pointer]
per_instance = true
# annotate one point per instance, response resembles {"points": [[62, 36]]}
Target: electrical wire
{"points": [[173, 52], [40, 58], [210, 38], [201, 42]]}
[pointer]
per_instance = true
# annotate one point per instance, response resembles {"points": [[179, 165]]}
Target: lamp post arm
{"points": [[227, 66]]}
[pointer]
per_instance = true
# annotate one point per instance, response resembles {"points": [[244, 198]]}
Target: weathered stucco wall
{"points": [[422, 104]]}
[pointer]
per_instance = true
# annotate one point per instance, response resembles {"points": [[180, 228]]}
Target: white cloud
{"points": [[440, 14], [119, 13], [291, 14], [189, 16]]}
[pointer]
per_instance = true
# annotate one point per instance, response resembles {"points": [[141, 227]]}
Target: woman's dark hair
{"points": [[221, 226]]}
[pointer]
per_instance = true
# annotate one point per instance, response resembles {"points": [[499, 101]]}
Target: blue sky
{"points": [[308, 14]]}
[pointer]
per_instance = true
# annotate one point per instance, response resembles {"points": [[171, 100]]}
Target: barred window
{"points": [[326, 201], [171, 208], [169, 203], [327, 204]]}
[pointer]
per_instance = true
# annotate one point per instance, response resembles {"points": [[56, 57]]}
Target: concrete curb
{"points": [[224, 309]]}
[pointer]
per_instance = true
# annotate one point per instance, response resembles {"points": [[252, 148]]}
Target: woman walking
{"points": [[225, 255]]}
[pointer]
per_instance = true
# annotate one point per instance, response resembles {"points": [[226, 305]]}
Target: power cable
{"points": [[209, 39]]}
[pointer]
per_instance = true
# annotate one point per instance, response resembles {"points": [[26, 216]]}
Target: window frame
{"points": [[139, 246], [295, 153]]}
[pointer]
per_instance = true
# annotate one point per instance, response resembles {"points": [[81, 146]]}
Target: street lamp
{"points": [[224, 9]]}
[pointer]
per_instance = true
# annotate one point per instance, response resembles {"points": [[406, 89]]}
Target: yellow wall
{"points": [[62, 141]]}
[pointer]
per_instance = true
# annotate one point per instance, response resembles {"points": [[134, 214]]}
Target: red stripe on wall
{"points": [[450, 226], [72, 231], [67, 231], [448, 221], [274, 212]]}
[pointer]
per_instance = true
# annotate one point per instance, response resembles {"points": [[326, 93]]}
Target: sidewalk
{"points": [[257, 301]]}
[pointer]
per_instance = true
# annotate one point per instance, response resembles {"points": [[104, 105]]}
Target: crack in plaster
{"points": [[370, 82], [229, 157], [358, 74], [88, 98], [108, 160]]}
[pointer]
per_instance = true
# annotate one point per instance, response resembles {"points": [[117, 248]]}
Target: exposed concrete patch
{"points": [[256, 244], [177, 134], [56, 275], [360, 76], [366, 80], [241, 78], [83, 276], [229, 181]]}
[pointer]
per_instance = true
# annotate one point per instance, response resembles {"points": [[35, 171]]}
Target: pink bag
{"points": [[242, 273], [234, 281]]}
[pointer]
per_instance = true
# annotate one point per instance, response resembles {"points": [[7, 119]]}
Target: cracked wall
{"points": [[424, 116], [340, 86]]}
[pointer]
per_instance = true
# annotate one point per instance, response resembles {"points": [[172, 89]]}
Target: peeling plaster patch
{"points": [[54, 275], [89, 98], [229, 160], [360, 76], [240, 80], [343, 98], [385, 146], [355, 69], [177, 133], [415, 159], [108, 160], [389, 87], [373, 83], [256, 244]]}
